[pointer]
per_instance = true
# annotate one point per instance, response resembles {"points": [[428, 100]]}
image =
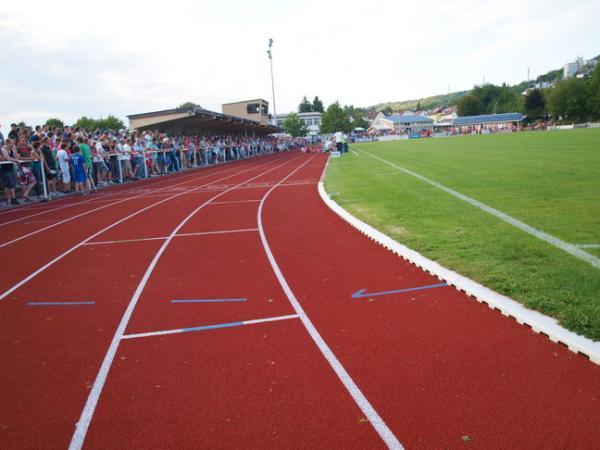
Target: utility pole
{"points": [[269, 53]]}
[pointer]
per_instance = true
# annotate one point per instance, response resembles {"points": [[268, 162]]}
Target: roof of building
{"points": [[409, 119], [488, 118], [200, 119], [247, 101]]}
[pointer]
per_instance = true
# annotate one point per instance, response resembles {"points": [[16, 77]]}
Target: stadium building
{"points": [[256, 109], [200, 120], [488, 121], [401, 124]]}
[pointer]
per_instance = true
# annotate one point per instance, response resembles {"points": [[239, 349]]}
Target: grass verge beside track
{"points": [[548, 180]]}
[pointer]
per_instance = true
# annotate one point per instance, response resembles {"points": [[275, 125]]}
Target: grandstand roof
{"points": [[409, 119], [199, 119], [488, 118]]}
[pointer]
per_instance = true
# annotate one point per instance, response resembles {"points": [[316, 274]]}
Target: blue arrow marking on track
{"points": [[362, 292]]}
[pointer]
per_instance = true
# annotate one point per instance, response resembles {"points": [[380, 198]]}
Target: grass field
{"points": [[550, 181]]}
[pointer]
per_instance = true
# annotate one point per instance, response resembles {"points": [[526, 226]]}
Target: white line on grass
{"points": [[588, 245], [556, 242], [359, 398], [539, 322], [94, 395]]}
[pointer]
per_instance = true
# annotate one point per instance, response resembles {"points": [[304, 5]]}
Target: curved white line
{"points": [[539, 322], [359, 398], [92, 401], [75, 247], [103, 195], [33, 233]]}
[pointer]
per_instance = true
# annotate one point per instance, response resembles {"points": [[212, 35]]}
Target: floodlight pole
{"points": [[272, 80]]}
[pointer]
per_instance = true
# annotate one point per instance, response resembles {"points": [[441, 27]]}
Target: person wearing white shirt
{"points": [[339, 136], [63, 162], [125, 159]]}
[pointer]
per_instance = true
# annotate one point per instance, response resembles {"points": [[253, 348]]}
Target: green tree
{"points": [[317, 105], [507, 101], [569, 100], [294, 125], [594, 94], [53, 122], [387, 110], [335, 119], [189, 105], [534, 104], [111, 123], [469, 105], [23, 126], [305, 105], [86, 122], [356, 117]]}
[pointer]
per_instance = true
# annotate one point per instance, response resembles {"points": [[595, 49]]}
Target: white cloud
{"points": [[127, 57]]}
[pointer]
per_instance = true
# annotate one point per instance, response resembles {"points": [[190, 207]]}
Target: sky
{"points": [[64, 59]]}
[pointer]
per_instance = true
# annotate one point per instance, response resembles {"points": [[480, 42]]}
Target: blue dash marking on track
{"points": [[362, 292], [212, 327], [59, 303], [211, 300]]}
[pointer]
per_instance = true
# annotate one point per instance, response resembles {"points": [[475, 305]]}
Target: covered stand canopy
{"points": [[198, 120]]}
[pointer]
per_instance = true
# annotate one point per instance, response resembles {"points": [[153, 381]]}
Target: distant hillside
{"points": [[422, 103], [450, 99]]}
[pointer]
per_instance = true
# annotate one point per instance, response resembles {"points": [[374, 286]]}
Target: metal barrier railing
{"points": [[187, 159]]}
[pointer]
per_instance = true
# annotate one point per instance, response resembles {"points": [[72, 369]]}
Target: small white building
{"points": [[312, 120], [405, 123], [570, 69]]}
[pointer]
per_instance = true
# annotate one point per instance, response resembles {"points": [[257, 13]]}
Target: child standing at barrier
{"points": [[79, 170], [63, 162]]}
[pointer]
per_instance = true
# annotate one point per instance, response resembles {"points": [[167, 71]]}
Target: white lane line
{"points": [[209, 327], [162, 238], [94, 395], [235, 201], [85, 213], [104, 197], [126, 241], [359, 398], [200, 233], [75, 247], [552, 240]]}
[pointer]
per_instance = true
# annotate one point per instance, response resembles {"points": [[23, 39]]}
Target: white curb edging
{"points": [[538, 322]]}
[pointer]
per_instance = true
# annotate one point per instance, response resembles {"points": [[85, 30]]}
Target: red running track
{"points": [[436, 368]]}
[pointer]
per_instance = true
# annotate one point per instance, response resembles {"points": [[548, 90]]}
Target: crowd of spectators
{"points": [[49, 162]]}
